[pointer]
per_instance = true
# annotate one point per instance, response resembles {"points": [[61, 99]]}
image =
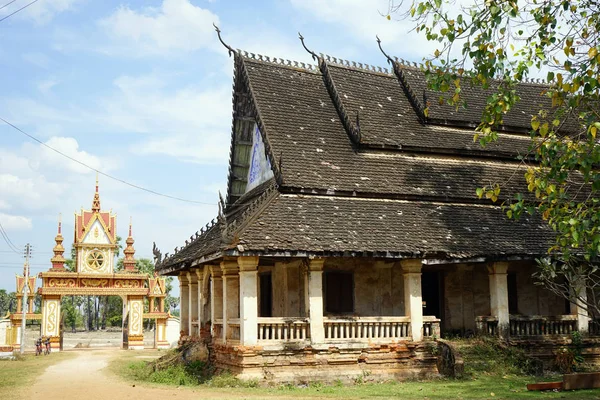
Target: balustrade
{"points": [[487, 325], [594, 327], [233, 329], [542, 325], [431, 327], [217, 329], [367, 328], [283, 329]]}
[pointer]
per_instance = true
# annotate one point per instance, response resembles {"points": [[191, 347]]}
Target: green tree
{"points": [[497, 44], [8, 302]]}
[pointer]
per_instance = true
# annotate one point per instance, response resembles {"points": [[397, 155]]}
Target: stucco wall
{"points": [[534, 299], [378, 286]]}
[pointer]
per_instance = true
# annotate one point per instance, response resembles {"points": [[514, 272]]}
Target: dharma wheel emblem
{"points": [[95, 260]]}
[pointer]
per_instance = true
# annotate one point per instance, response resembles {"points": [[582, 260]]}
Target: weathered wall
{"points": [[378, 285], [370, 363], [467, 294], [288, 288], [534, 299]]}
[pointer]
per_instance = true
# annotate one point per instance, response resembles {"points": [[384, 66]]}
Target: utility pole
{"points": [[25, 289]]}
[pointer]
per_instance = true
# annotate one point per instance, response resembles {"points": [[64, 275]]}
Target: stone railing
{"points": [[431, 326], [367, 328], [486, 325], [279, 329], [594, 327], [233, 329], [538, 325]]}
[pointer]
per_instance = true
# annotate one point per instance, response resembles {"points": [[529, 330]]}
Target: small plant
{"points": [[227, 380], [564, 360]]}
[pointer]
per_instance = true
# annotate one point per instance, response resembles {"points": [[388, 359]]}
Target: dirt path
{"points": [[85, 377]]}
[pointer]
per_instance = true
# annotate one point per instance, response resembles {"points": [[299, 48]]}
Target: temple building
{"points": [[351, 236]]}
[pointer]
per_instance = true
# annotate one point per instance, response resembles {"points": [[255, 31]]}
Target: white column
{"points": [[580, 309], [315, 300], [216, 296], [192, 300], [248, 300], [230, 294], [184, 304], [200, 300], [498, 273], [413, 300]]}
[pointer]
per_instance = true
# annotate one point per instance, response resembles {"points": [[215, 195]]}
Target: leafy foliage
{"points": [[498, 44]]}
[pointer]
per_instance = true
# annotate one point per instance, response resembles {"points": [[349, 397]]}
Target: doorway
{"points": [[431, 292], [266, 295]]}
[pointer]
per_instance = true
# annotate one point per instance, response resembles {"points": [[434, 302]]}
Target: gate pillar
{"points": [[51, 320], [135, 333], [161, 334]]}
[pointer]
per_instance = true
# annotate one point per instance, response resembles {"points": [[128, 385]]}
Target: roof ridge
{"points": [[278, 61], [354, 64]]}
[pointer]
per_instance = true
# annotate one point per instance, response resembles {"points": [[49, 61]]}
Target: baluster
{"points": [[260, 335]]}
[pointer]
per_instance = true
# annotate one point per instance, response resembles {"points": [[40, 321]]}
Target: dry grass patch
{"points": [[19, 374]]}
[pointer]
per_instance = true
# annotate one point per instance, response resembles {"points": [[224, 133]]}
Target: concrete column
{"points": [[498, 273], [216, 296], [184, 303], [315, 300], [413, 300], [231, 287], [580, 309], [51, 320], [248, 300], [193, 301], [200, 300]]}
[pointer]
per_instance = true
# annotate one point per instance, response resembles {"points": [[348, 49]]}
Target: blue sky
{"points": [[142, 91]]}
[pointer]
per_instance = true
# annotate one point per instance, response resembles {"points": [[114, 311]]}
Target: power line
{"points": [[9, 242], [22, 8], [103, 173], [7, 4]]}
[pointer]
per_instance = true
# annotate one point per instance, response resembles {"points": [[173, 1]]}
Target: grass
{"points": [[19, 374], [491, 372]]}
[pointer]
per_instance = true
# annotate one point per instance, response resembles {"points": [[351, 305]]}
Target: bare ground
{"points": [[85, 377]]}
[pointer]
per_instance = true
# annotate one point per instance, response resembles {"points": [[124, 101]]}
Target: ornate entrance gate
{"points": [[94, 275]]}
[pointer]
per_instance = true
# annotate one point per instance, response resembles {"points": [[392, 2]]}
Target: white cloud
{"points": [[46, 86], [191, 123], [177, 25], [15, 222], [38, 59], [43, 158], [365, 19], [35, 178]]}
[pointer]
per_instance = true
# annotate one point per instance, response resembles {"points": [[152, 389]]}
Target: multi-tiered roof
{"points": [[360, 169]]}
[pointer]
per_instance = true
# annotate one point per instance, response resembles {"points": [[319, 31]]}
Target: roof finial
{"points": [[314, 55], [384, 53], [59, 223], [96, 202], [129, 261], [58, 260], [228, 47]]}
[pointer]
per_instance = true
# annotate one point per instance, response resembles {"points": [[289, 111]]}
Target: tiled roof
{"points": [[406, 188], [337, 225]]}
